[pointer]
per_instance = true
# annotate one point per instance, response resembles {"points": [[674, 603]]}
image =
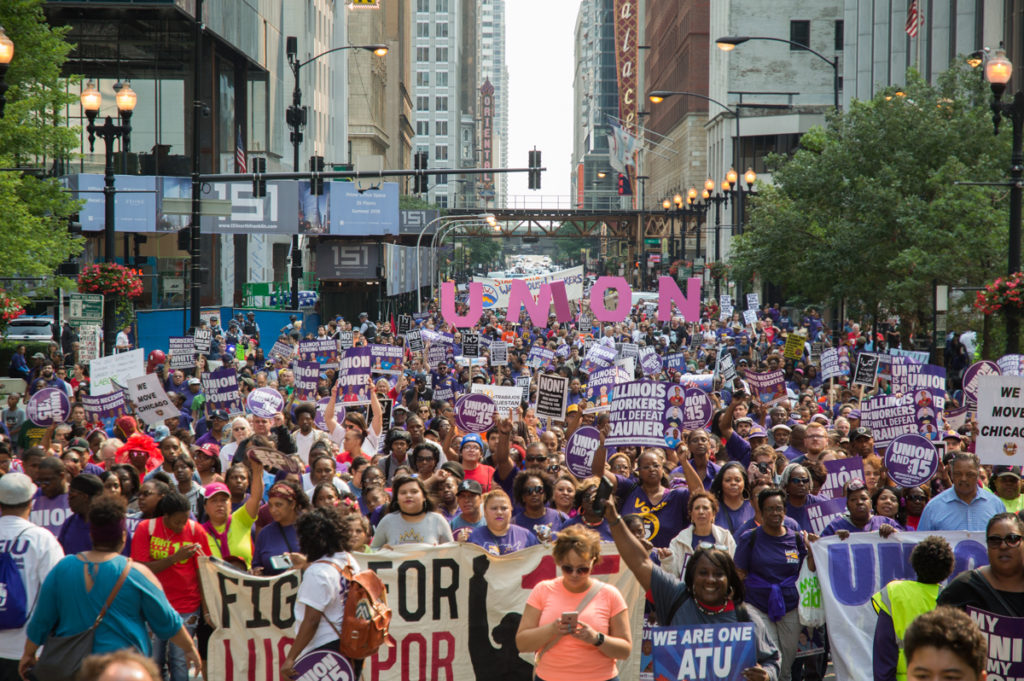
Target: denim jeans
{"points": [[165, 652]]}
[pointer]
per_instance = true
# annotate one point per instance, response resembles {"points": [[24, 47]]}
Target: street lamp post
{"points": [[6, 54], [489, 218], [998, 70], [447, 229], [109, 132], [728, 44], [295, 117]]}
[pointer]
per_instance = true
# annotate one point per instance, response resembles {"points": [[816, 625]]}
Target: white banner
{"points": [[857, 569], [496, 290], [119, 367], [150, 400], [455, 612]]}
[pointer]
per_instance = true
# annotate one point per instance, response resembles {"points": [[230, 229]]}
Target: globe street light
{"points": [[91, 101], [6, 55]]}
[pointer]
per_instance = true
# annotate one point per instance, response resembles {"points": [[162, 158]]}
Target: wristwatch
{"points": [[600, 641]]}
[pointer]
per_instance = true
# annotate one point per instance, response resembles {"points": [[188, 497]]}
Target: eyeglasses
{"points": [[800, 481], [536, 459], [917, 497], [995, 541], [537, 489], [570, 570]]}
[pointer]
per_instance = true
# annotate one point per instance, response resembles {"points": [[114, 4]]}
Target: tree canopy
{"points": [[33, 134], [868, 209]]}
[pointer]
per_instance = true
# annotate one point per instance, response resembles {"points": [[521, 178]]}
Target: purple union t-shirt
{"points": [[50, 513]]}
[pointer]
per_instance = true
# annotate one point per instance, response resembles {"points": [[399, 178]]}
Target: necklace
{"points": [[714, 609], [590, 524]]}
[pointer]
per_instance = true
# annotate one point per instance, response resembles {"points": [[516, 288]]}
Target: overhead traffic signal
{"points": [[625, 187], [316, 180], [259, 185], [420, 181], [534, 173]]}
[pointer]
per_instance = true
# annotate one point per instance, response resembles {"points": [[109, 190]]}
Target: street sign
{"points": [[216, 207], [85, 307], [652, 242]]}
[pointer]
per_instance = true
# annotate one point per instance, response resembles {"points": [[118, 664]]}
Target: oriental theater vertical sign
{"points": [[485, 187], [627, 65]]}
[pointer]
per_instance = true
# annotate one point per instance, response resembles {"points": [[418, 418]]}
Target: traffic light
{"points": [[420, 181], [534, 174], [259, 185], [625, 188], [74, 224], [316, 181]]}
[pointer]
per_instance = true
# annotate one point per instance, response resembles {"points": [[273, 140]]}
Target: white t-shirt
{"points": [[303, 443], [35, 554], [321, 589], [371, 443]]}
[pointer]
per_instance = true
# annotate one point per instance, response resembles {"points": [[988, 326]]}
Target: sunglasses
{"points": [[917, 497], [995, 541], [800, 481], [537, 459], [537, 489], [582, 570]]}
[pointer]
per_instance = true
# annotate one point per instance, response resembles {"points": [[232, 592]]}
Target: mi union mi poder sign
{"points": [[554, 293]]}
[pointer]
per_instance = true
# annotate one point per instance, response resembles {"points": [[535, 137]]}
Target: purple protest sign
{"points": [[387, 359], [307, 376], [323, 351], [1011, 365], [911, 460], [474, 413], [820, 515], [1003, 635], [697, 409], [323, 665], [579, 451], [646, 414], [221, 389], [264, 402], [48, 406], [840, 472], [599, 357], [601, 388], [321, 409], [353, 376], [650, 362], [98, 408], [982, 368]]}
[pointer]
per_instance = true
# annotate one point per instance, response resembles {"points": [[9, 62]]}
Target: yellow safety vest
{"points": [[903, 600]]}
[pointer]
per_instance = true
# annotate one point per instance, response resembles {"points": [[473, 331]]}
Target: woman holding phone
{"points": [[578, 626]]}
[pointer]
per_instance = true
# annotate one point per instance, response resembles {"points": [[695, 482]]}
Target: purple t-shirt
{"points": [[662, 521], [738, 449], [273, 540], [799, 513], [773, 559], [602, 529], [74, 536], [709, 474], [843, 523], [733, 520], [50, 513], [554, 519], [516, 539]]}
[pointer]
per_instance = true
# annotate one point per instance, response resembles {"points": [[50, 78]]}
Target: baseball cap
{"points": [[215, 488], [743, 419], [400, 407], [853, 414], [821, 418], [455, 468], [781, 426], [862, 431], [572, 408], [209, 449], [757, 431], [16, 489], [952, 435], [472, 437], [194, 381], [471, 486], [87, 483], [219, 415], [80, 444], [39, 355], [1006, 470]]}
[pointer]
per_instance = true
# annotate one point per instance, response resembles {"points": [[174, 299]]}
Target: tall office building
{"points": [[441, 64], [491, 67], [595, 100]]}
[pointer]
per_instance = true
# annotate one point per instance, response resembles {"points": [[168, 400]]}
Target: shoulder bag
{"points": [[63, 655]]}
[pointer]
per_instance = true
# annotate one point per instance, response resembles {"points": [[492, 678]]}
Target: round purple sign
{"points": [[579, 451], [697, 409], [474, 413], [48, 406], [323, 665], [982, 368], [264, 402], [911, 460], [321, 409]]}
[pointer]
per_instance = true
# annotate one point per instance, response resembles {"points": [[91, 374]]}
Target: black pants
{"points": [[9, 670]]}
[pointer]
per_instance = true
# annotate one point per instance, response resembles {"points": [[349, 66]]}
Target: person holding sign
{"points": [[998, 587], [577, 625], [710, 592], [858, 517]]}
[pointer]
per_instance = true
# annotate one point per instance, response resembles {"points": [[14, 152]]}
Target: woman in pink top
{"points": [[577, 625]]}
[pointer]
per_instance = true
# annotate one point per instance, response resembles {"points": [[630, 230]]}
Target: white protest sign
{"points": [[152, 404], [753, 301], [552, 396], [498, 353], [182, 352], [750, 317], [1000, 420], [505, 397], [119, 367]]}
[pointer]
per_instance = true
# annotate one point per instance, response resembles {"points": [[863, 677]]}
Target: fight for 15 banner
{"points": [[455, 613]]}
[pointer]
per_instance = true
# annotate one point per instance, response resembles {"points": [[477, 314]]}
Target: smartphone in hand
{"points": [[570, 619], [282, 562]]}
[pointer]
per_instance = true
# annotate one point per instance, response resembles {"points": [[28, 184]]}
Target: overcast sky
{"points": [[539, 48]]}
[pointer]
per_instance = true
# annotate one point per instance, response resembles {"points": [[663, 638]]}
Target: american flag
{"points": [[240, 153], [913, 19]]}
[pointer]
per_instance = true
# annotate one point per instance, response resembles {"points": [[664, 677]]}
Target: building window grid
{"points": [[799, 33]]}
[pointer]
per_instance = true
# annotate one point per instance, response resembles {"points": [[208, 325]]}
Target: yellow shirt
{"points": [[239, 536]]}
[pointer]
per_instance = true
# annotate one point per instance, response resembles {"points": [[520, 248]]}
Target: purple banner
{"points": [[282, 350], [911, 460], [840, 471], [908, 377], [48, 406], [101, 407], [579, 451], [697, 409], [264, 402], [307, 376], [1011, 365], [354, 375], [646, 414], [322, 351], [820, 515], [889, 416], [1003, 635], [982, 368], [221, 390], [474, 413], [770, 386], [387, 359]]}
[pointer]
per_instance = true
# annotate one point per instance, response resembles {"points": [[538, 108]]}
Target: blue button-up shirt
{"points": [[947, 511]]}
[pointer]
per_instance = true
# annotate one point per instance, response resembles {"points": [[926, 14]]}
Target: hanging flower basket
{"points": [[10, 309], [718, 270], [1004, 292], [118, 284]]}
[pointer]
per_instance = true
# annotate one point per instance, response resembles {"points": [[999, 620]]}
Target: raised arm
{"points": [[377, 422], [600, 456], [632, 551], [501, 456], [329, 419]]}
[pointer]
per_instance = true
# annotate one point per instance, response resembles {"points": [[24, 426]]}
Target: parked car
{"points": [[30, 328]]}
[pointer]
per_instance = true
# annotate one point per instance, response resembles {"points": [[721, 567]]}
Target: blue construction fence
{"points": [[153, 328]]}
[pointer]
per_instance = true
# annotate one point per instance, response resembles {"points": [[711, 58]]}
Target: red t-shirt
{"points": [[153, 541], [482, 474]]}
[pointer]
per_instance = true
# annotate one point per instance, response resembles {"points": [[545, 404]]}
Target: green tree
{"points": [[868, 210], [33, 134]]}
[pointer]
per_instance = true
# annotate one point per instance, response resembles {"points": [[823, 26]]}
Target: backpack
{"points": [[13, 596], [364, 626]]}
